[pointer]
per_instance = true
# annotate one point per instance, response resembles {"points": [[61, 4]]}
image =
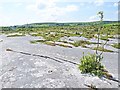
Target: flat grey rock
{"points": [[27, 71]]}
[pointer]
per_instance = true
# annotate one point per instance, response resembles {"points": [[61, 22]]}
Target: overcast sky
{"points": [[18, 12]]}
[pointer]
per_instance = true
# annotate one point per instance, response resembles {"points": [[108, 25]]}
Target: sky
{"points": [[19, 12]]}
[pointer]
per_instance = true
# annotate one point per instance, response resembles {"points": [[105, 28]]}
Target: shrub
{"points": [[89, 64]]}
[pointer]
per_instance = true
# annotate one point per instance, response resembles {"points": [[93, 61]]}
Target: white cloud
{"points": [[4, 19], [99, 2], [81, 1], [115, 4], [71, 8], [48, 9], [18, 4], [94, 18]]}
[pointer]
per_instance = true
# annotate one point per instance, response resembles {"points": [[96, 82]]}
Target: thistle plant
{"points": [[91, 62], [99, 56]]}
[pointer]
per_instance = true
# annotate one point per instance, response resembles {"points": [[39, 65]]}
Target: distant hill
{"points": [[68, 24], [37, 25]]}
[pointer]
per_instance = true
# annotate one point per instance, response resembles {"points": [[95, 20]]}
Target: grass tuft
{"points": [[50, 43], [36, 41], [16, 35], [102, 49], [63, 45], [81, 43], [104, 38], [116, 45]]}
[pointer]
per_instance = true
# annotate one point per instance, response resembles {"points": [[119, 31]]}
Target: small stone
{"points": [[50, 71]]}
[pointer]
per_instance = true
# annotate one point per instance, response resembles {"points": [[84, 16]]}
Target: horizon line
{"points": [[57, 22]]}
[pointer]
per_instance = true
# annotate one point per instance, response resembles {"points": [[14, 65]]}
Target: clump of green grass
{"points": [[89, 36], [102, 49], [63, 45], [90, 65], [50, 43], [77, 33], [104, 38], [40, 40], [15, 35], [36, 34], [53, 37], [33, 42], [81, 43], [110, 36], [64, 41], [116, 45], [36, 41], [95, 43]]}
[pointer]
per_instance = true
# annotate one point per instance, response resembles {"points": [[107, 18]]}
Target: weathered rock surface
{"points": [[25, 71]]}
